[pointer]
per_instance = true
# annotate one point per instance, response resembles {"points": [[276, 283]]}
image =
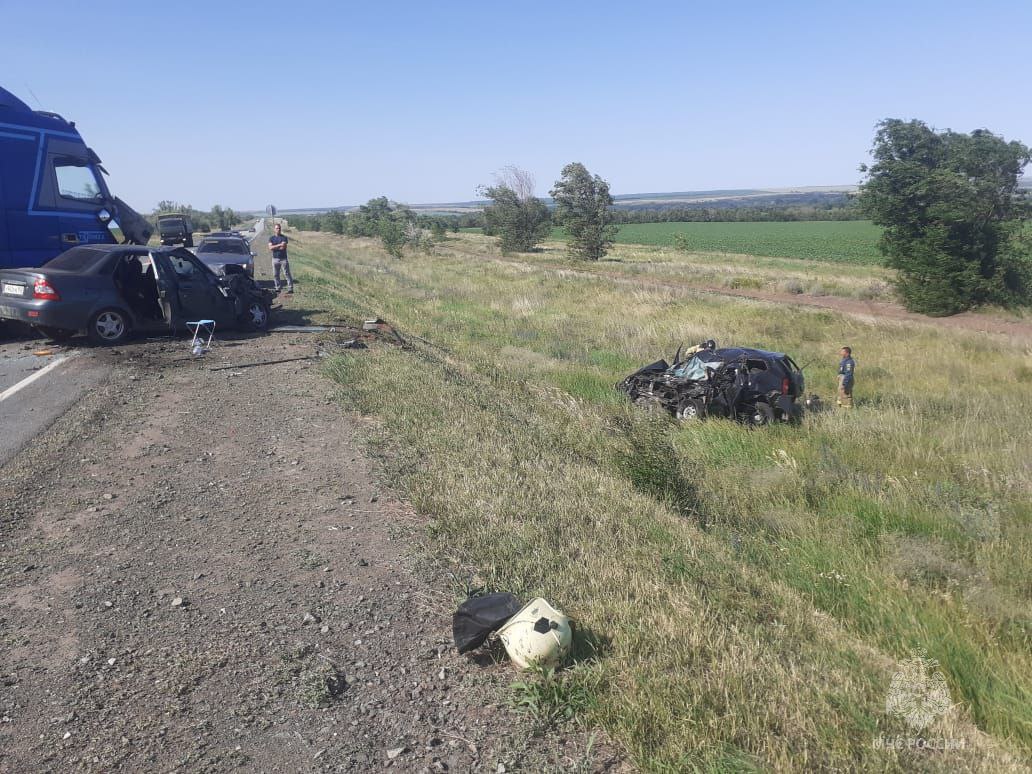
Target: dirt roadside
{"points": [[200, 572]]}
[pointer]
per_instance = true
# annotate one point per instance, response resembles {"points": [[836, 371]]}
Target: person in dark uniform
{"points": [[846, 367], [278, 246]]}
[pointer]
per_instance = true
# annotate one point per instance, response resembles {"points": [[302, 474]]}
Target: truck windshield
{"points": [[77, 181]]}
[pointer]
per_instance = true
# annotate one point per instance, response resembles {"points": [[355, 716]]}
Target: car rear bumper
{"points": [[53, 314]]}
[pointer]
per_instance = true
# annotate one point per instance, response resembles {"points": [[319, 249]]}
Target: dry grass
{"points": [[744, 597]]}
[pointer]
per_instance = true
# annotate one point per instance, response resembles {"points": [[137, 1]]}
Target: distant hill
{"points": [[716, 199]]}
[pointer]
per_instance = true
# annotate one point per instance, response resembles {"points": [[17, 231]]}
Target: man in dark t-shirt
{"points": [[278, 246], [846, 368]]}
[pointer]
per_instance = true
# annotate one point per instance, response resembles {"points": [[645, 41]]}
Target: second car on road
{"points": [[218, 252]]}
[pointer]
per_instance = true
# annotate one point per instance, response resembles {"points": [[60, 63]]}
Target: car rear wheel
{"points": [[57, 334], [759, 415], [108, 326]]}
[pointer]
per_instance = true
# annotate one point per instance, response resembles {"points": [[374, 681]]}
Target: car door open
{"points": [[199, 292]]}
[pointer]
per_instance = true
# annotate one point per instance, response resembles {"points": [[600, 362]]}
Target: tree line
{"points": [[396, 225], [521, 221], [218, 218], [954, 214]]}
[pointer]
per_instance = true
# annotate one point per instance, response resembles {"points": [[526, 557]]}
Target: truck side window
{"points": [[76, 182]]}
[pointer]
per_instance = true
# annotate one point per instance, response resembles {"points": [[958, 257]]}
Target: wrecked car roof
{"points": [[734, 353], [129, 249]]}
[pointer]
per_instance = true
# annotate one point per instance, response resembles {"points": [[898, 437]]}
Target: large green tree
{"points": [[516, 216], [953, 215], [582, 203]]}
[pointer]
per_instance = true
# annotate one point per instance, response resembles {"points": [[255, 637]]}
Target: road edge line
{"points": [[15, 388]]}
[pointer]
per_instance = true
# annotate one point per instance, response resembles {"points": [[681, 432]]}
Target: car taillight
{"points": [[44, 290], [784, 386]]}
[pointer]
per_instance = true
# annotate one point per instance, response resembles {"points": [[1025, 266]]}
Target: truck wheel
{"points": [[57, 334], [108, 326]]}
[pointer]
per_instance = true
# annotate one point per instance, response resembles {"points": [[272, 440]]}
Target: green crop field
{"points": [[850, 241]]}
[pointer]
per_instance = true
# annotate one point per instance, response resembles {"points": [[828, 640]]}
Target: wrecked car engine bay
{"points": [[752, 386]]}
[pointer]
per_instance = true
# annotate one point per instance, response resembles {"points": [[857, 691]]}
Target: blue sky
{"points": [[308, 104]]}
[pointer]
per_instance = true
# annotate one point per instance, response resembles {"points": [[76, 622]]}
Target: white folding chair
{"points": [[208, 327]]}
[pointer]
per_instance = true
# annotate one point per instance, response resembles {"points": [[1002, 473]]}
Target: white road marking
{"points": [[33, 377]]}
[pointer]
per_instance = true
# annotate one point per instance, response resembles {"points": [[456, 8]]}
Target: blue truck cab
{"points": [[52, 190]]}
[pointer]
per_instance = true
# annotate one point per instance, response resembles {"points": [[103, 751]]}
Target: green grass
{"points": [[743, 597], [850, 241]]}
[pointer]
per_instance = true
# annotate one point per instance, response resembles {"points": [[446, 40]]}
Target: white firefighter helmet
{"points": [[537, 634]]}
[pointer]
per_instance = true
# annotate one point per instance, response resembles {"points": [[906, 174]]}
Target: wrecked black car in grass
{"points": [[749, 385], [110, 291]]}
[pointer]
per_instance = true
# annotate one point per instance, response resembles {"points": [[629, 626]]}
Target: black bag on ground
{"points": [[477, 617]]}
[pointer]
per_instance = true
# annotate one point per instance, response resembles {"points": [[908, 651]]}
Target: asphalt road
{"points": [[38, 383]]}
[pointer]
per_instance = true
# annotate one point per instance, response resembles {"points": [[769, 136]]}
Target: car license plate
{"points": [[13, 290]]}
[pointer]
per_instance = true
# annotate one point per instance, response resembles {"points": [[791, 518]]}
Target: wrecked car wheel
{"points": [[691, 409], [57, 334], [108, 326], [759, 415], [256, 316]]}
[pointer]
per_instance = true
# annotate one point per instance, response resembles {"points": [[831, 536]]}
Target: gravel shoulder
{"points": [[199, 571]]}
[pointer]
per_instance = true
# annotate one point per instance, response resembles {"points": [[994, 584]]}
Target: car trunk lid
{"points": [[17, 283]]}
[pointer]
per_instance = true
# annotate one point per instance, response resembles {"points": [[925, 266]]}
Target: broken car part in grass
{"points": [[752, 386], [534, 635]]}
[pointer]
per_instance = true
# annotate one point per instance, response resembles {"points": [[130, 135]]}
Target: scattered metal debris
{"points": [[264, 363], [350, 344], [302, 329]]}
